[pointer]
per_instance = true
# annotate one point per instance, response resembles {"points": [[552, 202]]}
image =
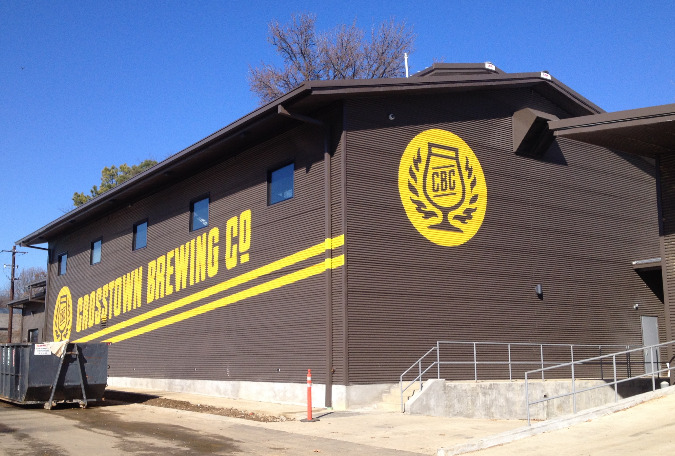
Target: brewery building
{"points": [[349, 225]]}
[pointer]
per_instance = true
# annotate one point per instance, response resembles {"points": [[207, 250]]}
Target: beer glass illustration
{"points": [[444, 183]]}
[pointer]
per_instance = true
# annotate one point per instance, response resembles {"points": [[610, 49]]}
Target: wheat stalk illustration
{"points": [[412, 186], [467, 214]]}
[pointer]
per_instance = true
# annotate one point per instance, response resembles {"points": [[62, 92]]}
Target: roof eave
{"points": [[645, 131], [314, 88], [38, 236], [458, 82], [640, 116]]}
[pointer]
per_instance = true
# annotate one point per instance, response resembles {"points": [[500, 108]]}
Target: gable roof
{"points": [[305, 99]]}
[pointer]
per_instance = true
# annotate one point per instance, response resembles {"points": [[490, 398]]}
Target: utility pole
{"points": [[11, 291]]}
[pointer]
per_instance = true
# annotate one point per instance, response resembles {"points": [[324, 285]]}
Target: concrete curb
{"points": [[553, 424]]}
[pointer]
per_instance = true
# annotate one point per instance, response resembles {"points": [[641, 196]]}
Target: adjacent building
{"points": [[27, 315]]}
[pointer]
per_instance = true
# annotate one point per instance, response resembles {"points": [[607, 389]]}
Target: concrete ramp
{"points": [[506, 399], [621, 432]]}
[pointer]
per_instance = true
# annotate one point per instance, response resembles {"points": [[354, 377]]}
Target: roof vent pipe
{"points": [[405, 56]]}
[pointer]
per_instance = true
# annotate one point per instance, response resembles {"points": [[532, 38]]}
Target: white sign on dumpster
{"points": [[42, 349]]}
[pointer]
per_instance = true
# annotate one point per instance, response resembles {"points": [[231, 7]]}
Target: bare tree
{"points": [[341, 53], [4, 297], [25, 278], [21, 282]]}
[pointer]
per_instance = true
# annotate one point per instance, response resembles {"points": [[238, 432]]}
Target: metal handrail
{"points": [[421, 372], [422, 368], [614, 383]]}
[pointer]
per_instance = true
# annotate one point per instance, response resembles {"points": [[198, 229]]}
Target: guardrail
{"points": [[651, 369], [509, 357]]}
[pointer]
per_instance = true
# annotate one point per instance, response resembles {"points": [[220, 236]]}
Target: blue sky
{"points": [[85, 85]]}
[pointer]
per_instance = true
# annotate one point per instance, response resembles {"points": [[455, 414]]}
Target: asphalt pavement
{"points": [[168, 423], [372, 428], [641, 425]]}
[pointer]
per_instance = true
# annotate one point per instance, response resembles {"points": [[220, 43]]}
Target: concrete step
{"points": [[391, 400]]}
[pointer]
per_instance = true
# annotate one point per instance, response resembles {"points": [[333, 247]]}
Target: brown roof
{"points": [[306, 99], [645, 131]]}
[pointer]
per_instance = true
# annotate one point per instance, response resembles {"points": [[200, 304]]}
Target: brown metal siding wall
{"points": [[572, 221], [275, 336]]}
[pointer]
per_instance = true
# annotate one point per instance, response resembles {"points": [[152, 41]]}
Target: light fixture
{"points": [[392, 117], [539, 290]]}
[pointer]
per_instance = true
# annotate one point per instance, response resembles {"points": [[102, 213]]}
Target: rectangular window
{"points": [[199, 214], [95, 256], [62, 262], [140, 235], [280, 184]]}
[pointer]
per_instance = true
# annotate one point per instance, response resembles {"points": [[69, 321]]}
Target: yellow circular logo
{"points": [[63, 315], [442, 187]]}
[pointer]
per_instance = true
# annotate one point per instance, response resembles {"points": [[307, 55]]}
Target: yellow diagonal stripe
{"points": [[239, 296], [297, 257]]}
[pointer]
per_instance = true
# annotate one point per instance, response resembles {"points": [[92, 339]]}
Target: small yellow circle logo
{"points": [[442, 187], [63, 315]]}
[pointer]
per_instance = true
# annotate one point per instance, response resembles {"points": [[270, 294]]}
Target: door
{"points": [[650, 336]]}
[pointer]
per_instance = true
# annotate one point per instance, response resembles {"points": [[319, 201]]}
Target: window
{"points": [[95, 256], [140, 235], [280, 184], [62, 262], [199, 214], [33, 335]]}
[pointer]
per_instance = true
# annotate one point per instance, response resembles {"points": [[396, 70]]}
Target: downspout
{"points": [[328, 400], [328, 403], [345, 302], [664, 258]]}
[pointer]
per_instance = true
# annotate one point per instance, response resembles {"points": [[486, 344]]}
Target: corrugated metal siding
{"points": [[274, 336], [667, 178], [572, 221]]}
